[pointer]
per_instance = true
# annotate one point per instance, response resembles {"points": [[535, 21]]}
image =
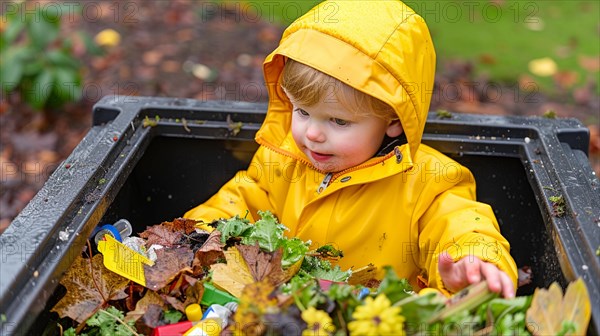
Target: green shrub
{"points": [[35, 60]]}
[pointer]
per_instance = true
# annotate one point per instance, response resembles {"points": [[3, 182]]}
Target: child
{"points": [[341, 162]]}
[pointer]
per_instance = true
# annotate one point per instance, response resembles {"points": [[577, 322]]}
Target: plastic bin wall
{"points": [[151, 159]]}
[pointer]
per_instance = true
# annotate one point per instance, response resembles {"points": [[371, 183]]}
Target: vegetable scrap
{"points": [[234, 127], [250, 278], [149, 122], [443, 114], [558, 205]]}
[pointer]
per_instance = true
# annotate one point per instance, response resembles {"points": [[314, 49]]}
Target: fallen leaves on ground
{"points": [[543, 67]]}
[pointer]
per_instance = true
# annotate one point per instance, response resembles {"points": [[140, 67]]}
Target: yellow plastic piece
{"points": [[193, 312], [123, 260]]}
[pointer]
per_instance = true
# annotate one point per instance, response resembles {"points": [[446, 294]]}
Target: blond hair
{"points": [[309, 86]]}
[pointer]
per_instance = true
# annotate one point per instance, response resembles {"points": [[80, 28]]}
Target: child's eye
{"points": [[340, 122], [302, 112]]}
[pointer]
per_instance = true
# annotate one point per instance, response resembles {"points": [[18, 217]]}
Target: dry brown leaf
{"points": [[210, 252], [135, 292], [142, 305], [193, 294], [186, 287], [263, 265], [590, 63], [594, 138], [566, 79], [169, 263], [89, 290], [174, 302], [151, 319], [488, 59], [161, 235], [181, 225]]}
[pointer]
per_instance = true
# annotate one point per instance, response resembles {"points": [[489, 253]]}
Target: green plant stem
{"points": [[120, 321]]}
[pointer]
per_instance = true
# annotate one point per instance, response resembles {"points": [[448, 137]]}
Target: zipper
{"points": [[324, 183]]}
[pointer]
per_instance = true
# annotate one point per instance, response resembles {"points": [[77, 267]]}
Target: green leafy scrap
{"points": [[334, 274], [267, 232], [507, 315], [293, 251], [106, 322], [172, 316], [393, 287], [312, 263], [328, 251], [234, 227]]}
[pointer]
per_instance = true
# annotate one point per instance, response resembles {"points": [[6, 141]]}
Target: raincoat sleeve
{"points": [[455, 222], [248, 191]]}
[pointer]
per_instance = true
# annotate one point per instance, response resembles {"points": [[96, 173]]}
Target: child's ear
{"points": [[394, 128]]}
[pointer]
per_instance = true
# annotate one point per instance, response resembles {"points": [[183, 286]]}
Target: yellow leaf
{"points": [[543, 316], [577, 307], [550, 313], [543, 67], [363, 275], [234, 275], [108, 38], [255, 300]]}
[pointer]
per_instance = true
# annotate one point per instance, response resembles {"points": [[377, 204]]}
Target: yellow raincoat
{"points": [[400, 209]]}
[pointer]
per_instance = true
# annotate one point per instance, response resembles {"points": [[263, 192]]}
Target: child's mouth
{"points": [[320, 157]]}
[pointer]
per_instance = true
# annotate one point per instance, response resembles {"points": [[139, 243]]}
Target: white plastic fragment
{"points": [[63, 235]]}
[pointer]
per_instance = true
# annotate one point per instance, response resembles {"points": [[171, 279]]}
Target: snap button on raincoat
{"points": [[401, 209]]}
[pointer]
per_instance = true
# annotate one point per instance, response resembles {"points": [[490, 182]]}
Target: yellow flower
{"points": [[319, 323], [377, 317]]}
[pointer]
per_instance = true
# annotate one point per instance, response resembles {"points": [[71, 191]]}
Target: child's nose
{"points": [[314, 133]]}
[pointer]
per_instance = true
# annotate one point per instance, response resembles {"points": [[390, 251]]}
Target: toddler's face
{"points": [[334, 138]]}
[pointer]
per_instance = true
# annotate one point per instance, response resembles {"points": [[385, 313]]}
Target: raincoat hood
{"points": [[384, 51]]}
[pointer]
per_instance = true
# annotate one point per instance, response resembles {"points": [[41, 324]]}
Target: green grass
{"points": [[500, 37], [507, 38]]}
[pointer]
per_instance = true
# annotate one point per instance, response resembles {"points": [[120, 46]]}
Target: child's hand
{"points": [[469, 270]]}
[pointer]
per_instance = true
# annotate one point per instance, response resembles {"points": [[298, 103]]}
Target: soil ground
{"points": [[179, 49]]}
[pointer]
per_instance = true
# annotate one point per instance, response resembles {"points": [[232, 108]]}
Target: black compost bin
{"points": [[151, 159]]}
